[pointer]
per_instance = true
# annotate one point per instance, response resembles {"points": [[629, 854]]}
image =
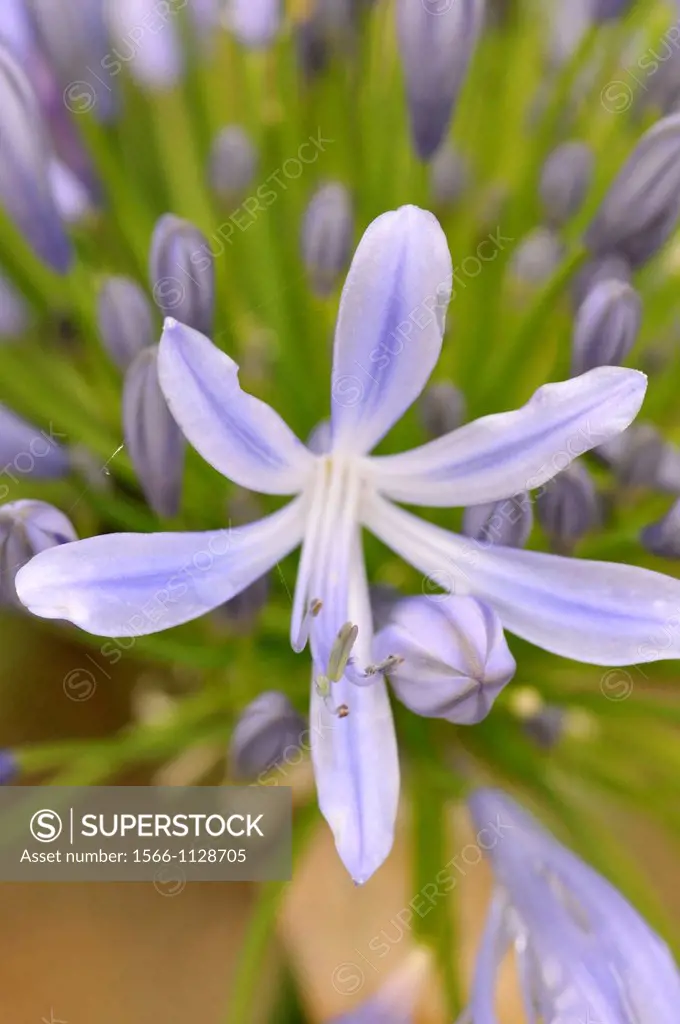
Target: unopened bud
{"points": [[126, 320], [507, 522], [268, 731]]}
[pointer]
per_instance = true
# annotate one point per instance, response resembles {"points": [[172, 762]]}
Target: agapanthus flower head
{"points": [[125, 318], [592, 611], [25, 188], [450, 657], [641, 208], [26, 528], [268, 731], [606, 326], [583, 953], [436, 42]]}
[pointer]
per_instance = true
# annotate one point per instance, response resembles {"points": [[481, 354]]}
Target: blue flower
{"points": [[583, 954], [388, 339]]}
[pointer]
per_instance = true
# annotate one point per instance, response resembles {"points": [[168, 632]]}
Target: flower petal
{"points": [[602, 613], [390, 325], [242, 437], [504, 454], [355, 758], [132, 584]]}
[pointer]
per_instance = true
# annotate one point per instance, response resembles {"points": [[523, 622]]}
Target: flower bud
{"points": [[153, 440], [26, 529], [606, 327], [255, 23], [565, 180], [126, 321], [436, 42], [449, 176], [595, 272], [537, 257], [26, 451], [15, 316], [182, 273], [240, 615], [75, 39], [233, 163], [455, 657], [546, 727], [641, 208], [9, 769], [146, 41], [268, 731], [507, 522], [25, 189], [568, 506], [607, 10], [327, 233], [442, 409], [71, 197], [663, 538], [636, 455]]}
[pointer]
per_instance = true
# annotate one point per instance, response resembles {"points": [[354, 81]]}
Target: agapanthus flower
{"points": [[389, 335], [583, 953]]}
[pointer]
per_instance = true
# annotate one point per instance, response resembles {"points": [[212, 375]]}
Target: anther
{"points": [[341, 651]]}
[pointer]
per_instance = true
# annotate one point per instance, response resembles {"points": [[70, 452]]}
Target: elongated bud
{"points": [[606, 327], [565, 181], [25, 189], [146, 40], [594, 272], [455, 658], [640, 210], [125, 318], [9, 769], [546, 727], [436, 42], [15, 316], [449, 176], [327, 233], [153, 440], [663, 538], [76, 40], [182, 272], [442, 409], [568, 506], [268, 732], [26, 529], [26, 451], [607, 10], [507, 522], [255, 23], [537, 257], [233, 163], [72, 199], [636, 455]]}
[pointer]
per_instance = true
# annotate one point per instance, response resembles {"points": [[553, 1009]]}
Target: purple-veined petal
{"points": [[242, 437], [501, 455], [390, 325], [602, 613], [132, 584]]}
